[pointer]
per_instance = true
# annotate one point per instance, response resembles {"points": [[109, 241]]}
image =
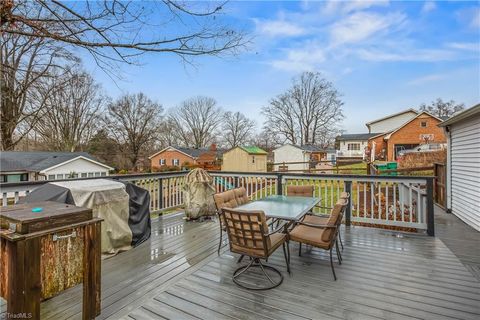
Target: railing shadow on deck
{"points": [[397, 202]]}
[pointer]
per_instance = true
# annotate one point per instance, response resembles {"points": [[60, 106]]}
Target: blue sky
{"points": [[382, 56]]}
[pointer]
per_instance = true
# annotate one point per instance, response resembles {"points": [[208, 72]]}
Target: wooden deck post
{"points": [[279, 184], [92, 271], [348, 211], [430, 209]]}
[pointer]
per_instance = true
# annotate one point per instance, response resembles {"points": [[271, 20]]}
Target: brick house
{"points": [[420, 129], [207, 158]]}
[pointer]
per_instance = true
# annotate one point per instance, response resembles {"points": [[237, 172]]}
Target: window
{"points": [[90, 174], [175, 162], [59, 176], [51, 177], [162, 162], [354, 146], [84, 174], [14, 177], [97, 174], [103, 174], [253, 159], [423, 124]]}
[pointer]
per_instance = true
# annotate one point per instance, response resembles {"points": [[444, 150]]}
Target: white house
{"points": [[353, 145], [463, 165], [296, 158], [391, 122], [16, 166]]}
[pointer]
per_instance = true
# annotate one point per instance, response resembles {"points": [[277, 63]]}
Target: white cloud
{"points": [[428, 6], [421, 55], [469, 16], [306, 58], [426, 79], [279, 28], [357, 5], [468, 46], [361, 25]]}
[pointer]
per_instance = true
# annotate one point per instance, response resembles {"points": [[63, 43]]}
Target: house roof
{"points": [[475, 110], [308, 148], [253, 150], [391, 116], [403, 125], [193, 153], [37, 161], [356, 136]]}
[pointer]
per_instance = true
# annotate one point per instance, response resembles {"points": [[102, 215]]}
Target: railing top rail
{"points": [[168, 174], [171, 174], [358, 176]]}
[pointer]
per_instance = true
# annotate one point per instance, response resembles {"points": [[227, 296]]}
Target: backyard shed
{"points": [[245, 159], [463, 165]]}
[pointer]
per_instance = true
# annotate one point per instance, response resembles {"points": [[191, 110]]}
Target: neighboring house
{"points": [[290, 157], [418, 130], [180, 156], [16, 166], [353, 145], [463, 165], [245, 159], [390, 122]]}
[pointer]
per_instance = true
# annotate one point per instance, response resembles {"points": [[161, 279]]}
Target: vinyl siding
{"points": [[288, 153], [465, 170]]}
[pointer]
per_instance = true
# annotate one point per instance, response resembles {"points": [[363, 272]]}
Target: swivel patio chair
{"points": [[300, 191], [228, 199], [322, 218], [320, 235], [248, 235]]}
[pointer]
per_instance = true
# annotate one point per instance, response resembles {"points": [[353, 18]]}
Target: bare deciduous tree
{"points": [[119, 31], [442, 109], [306, 112], [72, 111], [267, 140], [167, 135], [134, 121], [237, 129], [196, 121], [25, 63]]}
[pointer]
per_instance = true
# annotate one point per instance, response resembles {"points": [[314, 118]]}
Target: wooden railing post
{"points": [[160, 194], [279, 184], [348, 211], [430, 208]]}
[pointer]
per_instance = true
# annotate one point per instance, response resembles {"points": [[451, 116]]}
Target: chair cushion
{"points": [[241, 195], [300, 191], [316, 219], [309, 235], [332, 221], [225, 200]]}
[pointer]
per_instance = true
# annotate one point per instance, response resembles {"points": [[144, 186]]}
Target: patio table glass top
{"points": [[282, 207]]}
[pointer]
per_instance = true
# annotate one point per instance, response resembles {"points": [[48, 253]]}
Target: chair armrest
{"points": [[278, 229], [321, 207], [320, 226]]}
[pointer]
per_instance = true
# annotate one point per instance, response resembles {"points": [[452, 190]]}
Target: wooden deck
{"points": [[178, 275]]}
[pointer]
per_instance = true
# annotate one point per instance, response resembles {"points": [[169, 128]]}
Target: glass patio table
{"points": [[287, 208]]}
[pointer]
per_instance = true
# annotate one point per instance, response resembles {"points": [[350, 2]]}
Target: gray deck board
{"points": [[177, 274]]}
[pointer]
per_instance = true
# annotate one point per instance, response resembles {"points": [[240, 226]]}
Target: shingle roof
{"points": [[356, 136], [254, 150], [35, 160]]}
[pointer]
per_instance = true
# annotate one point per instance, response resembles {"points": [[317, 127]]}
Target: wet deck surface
{"points": [[178, 275]]}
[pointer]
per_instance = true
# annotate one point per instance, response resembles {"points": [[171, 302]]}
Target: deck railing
{"points": [[396, 201]]}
